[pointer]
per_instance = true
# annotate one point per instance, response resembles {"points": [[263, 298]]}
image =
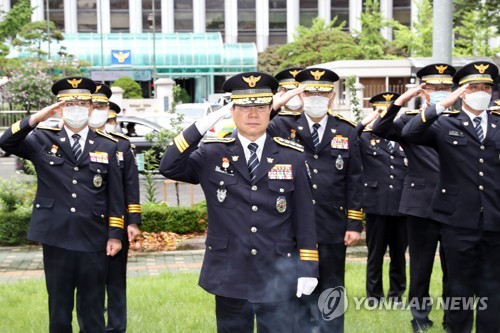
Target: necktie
{"points": [[479, 128], [76, 148], [253, 161], [315, 135]]}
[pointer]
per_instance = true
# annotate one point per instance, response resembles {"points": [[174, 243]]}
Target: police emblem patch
{"points": [[97, 181], [339, 163], [281, 204]]}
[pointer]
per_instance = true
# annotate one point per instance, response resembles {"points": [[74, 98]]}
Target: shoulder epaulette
{"points": [[412, 112], [120, 135], [107, 136], [218, 140], [451, 112], [495, 112], [55, 129], [289, 113], [368, 129], [341, 117], [289, 144]]}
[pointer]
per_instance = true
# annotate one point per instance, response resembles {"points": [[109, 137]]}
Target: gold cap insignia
{"points": [[293, 73], [441, 68], [388, 97], [74, 82], [97, 88], [481, 68], [317, 74], [120, 56], [497, 102], [252, 80]]}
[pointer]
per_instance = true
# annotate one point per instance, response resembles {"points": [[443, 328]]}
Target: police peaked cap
{"points": [[286, 77], [73, 87], [102, 93], [251, 88], [384, 99], [476, 72], [437, 74], [114, 109], [317, 79]]}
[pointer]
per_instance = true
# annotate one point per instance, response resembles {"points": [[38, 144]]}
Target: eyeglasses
{"points": [[261, 109]]}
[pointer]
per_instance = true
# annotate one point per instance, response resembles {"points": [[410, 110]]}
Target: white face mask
{"points": [[478, 100], [109, 128], [75, 116], [316, 106], [294, 103], [98, 118]]}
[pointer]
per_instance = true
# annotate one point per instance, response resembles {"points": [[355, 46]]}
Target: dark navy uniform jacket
{"points": [[261, 235], [335, 170], [423, 163], [130, 177], [78, 205], [383, 174], [469, 181]]}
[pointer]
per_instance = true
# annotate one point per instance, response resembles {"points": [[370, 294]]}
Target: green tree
{"points": [[416, 41], [320, 43], [15, 19], [32, 35], [28, 88], [475, 23], [131, 89], [269, 60]]}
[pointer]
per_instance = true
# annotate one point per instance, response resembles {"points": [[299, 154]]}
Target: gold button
{"points": [[443, 190], [75, 168], [253, 252], [253, 229], [254, 188], [315, 170], [392, 166], [73, 195], [73, 209], [315, 186], [412, 184], [391, 176], [75, 181], [391, 187], [481, 173], [37, 205], [314, 202], [51, 163], [282, 190], [481, 187], [315, 157], [255, 208], [482, 147], [481, 160], [221, 183], [455, 142], [392, 157], [288, 254]]}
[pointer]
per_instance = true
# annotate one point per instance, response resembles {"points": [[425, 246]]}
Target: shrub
{"points": [[131, 89], [181, 220], [15, 193], [14, 226]]}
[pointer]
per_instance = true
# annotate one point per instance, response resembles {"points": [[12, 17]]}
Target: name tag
{"points": [[281, 171], [99, 157], [455, 133]]}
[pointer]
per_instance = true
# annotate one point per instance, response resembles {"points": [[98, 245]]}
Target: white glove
{"points": [[306, 285], [203, 125]]}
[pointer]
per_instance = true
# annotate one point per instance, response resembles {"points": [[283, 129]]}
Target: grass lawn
{"points": [[174, 303]]}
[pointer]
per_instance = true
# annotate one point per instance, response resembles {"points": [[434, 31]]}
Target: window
{"points": [[214, 15], [308, 11], [147, 15], [119, 16], [246, 21], [340, 8], [87, 15], [183, 16]]}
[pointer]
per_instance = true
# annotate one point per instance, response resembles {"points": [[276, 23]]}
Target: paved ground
{"points": [[18, 263]]}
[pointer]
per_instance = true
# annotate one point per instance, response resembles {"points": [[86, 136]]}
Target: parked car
{"points": [[136, 129]]}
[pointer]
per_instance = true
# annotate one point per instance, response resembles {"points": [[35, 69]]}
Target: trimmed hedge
{"points": [[155, 218]]}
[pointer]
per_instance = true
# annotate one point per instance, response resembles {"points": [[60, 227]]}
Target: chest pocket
{"points": [[281, 186], [455, 140], [339, 159], [98, 168], [52, 160], [222, 189]]}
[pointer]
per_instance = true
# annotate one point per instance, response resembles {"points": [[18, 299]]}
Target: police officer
{"points": [[384, 169], [465, 200], [261, 240], [78, 209], [288, 96], [332, 151], [421, 179], [116, 286]]}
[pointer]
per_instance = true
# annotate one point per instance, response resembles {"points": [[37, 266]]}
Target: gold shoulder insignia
{"points": [[289, 144], [132, 146], [495, 112], [412, 112], [55, 129], [368, 129], [107, 136], [218, 140], [451, 112], [341, 117], [120, 135], [289, 113]]}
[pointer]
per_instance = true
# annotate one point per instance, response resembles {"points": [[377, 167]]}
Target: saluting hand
{"points": [[283, 97], [45, 113], [452, 98], [370, 118], [409, 94], [113, 247]]}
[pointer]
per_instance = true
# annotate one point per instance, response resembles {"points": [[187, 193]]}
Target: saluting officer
{"points": [[116, 283], [261, 240], [422, 177], [288, 98], [332, 151], [78, 209], [465, 200], [384, 169]]}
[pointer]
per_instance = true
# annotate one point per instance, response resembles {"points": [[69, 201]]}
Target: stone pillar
{"points": [[292, 18], [104, 16], [231, 21], [135, 16], [70, 17], [164, 94], [117, 96], [262, 24], [38, 10], [324, 10], [167, 16], [199, 17], [355, 10], [386, 10]]}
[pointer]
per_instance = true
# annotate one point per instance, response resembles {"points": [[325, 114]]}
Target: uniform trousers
{"points": [[423, 237], [237, 315], [331, 275], [67, 270], [383, 231], [116, 290], [473, 262]]}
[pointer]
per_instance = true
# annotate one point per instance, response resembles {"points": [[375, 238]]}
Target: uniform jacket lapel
{"points": [[304, 132], [467, 124], [267, 160], [493, 124], [328, 134], [240, 164], [90, 145], [65, 143]]}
